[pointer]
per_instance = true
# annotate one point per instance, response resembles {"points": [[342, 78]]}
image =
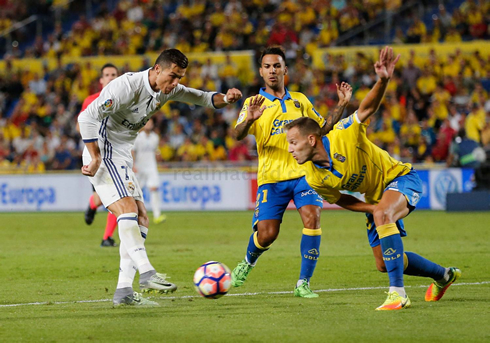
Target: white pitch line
{"points": [[239, 294]]}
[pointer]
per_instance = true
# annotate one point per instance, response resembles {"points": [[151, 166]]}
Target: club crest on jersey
{"points": [[131, 187], [339, 157], [296, 103], [107, 104]]}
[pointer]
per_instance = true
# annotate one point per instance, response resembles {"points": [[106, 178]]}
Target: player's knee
{"points": [[311, 218], [267, 236], [382, 216]]}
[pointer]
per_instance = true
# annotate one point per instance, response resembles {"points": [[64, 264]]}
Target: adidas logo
{"points": [[389, 251], [313, 252]]}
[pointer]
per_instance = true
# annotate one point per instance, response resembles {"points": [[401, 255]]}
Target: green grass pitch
{"points": [[57, 282]]}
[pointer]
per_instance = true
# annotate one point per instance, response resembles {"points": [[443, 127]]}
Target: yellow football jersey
{"points": [[356, 164], [275, 163]]}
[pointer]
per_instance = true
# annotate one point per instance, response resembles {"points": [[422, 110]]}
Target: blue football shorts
{"points": [[273, 199], [410, 186]]}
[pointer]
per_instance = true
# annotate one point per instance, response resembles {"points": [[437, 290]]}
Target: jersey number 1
{"points": [[264, 193]]}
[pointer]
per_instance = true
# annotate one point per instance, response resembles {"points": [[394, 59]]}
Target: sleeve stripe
{"points": [[212, 99], [356, 117], [90, 140]]}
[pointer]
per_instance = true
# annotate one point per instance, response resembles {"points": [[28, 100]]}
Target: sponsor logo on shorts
{"points": [[393, 185], [308, 192], [415, 198]]}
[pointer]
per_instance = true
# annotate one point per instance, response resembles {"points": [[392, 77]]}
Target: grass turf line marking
{"points": [[239, 294]]}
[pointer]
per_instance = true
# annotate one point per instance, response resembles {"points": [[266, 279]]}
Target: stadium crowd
{"points": [[430, 102]]}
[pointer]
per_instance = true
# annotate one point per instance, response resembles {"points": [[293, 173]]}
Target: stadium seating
{"points": [[440, 88]]}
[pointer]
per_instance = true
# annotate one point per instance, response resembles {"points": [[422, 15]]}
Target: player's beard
{"points": [[275, 86]]}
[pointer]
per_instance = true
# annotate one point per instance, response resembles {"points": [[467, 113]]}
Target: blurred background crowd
{"points": [[436, 110]]}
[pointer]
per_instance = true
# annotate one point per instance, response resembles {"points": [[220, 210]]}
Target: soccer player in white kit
{"points": [[109, 127], [145, 167]]}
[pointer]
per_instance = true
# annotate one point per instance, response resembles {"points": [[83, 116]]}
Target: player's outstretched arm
{"points": [[353, 204], [254, 112], [384, 69], [344, 92], [232, 96]]}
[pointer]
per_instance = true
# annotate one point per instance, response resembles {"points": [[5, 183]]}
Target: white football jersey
{"points": [[145, 148], [123, 107]]}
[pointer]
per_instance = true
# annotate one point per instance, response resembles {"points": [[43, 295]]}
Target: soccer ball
{"points": [[212, 280]]}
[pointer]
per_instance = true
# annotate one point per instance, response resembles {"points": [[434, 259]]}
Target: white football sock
{"points": [[399, 290], [155, 204], [130, 236], [127, 269], [300, 282]]}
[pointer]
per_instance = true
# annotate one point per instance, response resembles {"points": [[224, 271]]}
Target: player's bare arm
{"points": [[93, 166], [344, 92], [353, 204], [384, 68], [222, 100], [254, 112]]}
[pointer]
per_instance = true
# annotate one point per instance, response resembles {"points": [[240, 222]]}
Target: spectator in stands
{"points": [[38, 85], [423, 152], [64, 158], [444, 138], [416, 31], [426, 83], [474, 123], [24, 99], [465, 152], [240, 151], [410, 75]]}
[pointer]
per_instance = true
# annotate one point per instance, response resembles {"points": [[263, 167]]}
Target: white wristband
{"points": [[225, 99]]}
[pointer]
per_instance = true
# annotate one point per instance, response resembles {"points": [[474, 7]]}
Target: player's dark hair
{"points": [[306, 126], [273, 50], [108, 65], [169, 56]]}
